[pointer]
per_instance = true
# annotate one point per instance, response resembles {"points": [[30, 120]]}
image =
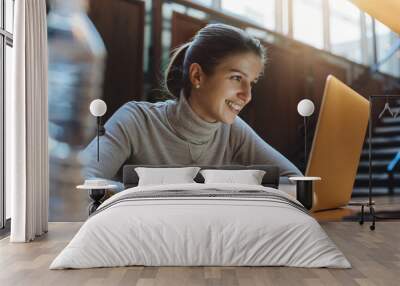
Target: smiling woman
{"points": [[210, 80]]}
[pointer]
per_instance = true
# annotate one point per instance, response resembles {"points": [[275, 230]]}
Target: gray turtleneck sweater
{"points": [[170, 132]]}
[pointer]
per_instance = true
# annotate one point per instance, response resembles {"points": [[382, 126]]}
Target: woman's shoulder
{"points": [[145, 105], [241, 130], [239, 125], [144, 109]]}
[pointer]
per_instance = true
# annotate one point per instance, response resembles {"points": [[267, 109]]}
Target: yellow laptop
{"points": [[337, 144]]}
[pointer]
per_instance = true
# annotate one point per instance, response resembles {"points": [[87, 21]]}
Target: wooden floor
{"points": [[374, 255]]}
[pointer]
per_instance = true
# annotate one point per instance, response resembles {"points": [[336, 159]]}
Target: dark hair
{"points": [[208, 48]]}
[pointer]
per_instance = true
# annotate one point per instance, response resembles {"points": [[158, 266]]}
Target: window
{"points": [[9, 13], [6, 42], [261, 12], [204, 2], [8, 70], [307, 22], [385, 39], [369, 34], [345, 30]]}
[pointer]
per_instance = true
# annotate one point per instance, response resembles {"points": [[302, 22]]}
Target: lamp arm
{"points": [[100, 132], [98, 137], [305, 144], [102, 129]]}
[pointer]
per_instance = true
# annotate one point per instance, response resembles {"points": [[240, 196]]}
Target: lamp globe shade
{"points": [[305, 107], [98, 107]]}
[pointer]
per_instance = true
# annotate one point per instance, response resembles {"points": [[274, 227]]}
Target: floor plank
{"points": [[375, 257]]}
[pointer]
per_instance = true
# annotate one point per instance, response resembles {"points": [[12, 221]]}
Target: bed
{"points": [[201, 224]]}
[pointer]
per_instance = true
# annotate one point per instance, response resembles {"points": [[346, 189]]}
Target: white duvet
{"points": [[200, 231]]}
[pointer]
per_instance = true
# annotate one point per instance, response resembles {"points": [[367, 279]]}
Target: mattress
{"points": [[201, 225]]}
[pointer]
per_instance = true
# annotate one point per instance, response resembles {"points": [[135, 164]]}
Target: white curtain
{"points": [[27, 124]]}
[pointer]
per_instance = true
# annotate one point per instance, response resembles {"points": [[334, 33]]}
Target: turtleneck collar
{"points": [[187, 124]]}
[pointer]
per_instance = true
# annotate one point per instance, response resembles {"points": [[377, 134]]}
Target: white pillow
{"points": [[162, 176], [248, 177]]}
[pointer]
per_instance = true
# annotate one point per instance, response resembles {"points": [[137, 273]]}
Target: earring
{"points": [[197, 86]]}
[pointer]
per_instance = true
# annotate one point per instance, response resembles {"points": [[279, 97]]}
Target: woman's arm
{"points": [[249, 148]]}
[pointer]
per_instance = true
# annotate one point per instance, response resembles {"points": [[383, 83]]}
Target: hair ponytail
{"points": [[174, 74], [208, 48]]}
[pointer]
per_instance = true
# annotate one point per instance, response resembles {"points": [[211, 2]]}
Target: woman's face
{"points": [[223, 94]]}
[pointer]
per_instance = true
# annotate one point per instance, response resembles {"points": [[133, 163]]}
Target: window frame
{"points": [[6, 39], [284, 25]]}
